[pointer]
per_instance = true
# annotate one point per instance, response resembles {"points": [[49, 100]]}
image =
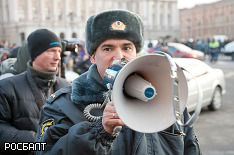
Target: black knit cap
{"points": [[41, 40], [114, 24]]}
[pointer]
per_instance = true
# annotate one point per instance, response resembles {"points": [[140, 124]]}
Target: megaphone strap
{"points": [[197, 111]]}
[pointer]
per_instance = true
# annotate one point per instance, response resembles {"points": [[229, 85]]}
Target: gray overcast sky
{"points": [[190, 3]]}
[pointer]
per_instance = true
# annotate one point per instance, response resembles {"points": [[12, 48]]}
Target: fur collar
{"points": [[88, 88]]}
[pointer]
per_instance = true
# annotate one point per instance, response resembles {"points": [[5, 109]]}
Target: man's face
{"points": [[48, 61], [164, 48], [112, 49]]}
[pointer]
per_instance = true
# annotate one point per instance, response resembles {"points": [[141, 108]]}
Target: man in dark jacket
{"points": [[23, 95], [110, 35]]}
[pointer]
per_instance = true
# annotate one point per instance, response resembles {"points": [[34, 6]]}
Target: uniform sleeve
{"points": [[64, 137], [190, 141], [8, 133]]}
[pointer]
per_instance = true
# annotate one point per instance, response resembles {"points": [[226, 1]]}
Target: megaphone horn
{"points": [[142, 93]]}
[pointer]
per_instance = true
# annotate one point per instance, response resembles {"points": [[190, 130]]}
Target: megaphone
{"points": [[149, 93], [157, 112]]}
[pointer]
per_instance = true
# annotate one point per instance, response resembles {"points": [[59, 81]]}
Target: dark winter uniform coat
{"points": [[69, 133], [21, 98]]}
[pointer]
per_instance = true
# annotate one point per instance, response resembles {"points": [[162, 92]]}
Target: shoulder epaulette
{"points": [[58, 93]]}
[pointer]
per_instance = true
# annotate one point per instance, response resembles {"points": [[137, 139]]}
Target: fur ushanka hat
{"points": [[114, 24]]}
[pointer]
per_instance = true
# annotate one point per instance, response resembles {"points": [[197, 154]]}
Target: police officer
{"points": [[110, 35], [214, 50], [23, 95]]}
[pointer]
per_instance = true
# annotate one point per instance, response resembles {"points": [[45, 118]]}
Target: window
{"points": [[74, 35], [22, 37], [62, 35]]}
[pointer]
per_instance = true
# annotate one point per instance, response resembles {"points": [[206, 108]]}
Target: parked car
{"points": [[229, 49], [171, 51], [211, 81], [186, 52]]}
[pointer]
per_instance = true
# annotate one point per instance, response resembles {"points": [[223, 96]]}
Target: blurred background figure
{"points": [[15, 65], [81, 62], [3, 56], [13, 52], [164, 48], [150, 48], [214, 50]]}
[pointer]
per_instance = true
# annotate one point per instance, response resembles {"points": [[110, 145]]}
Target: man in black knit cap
{"points": [[23, 95], [110, 35]]}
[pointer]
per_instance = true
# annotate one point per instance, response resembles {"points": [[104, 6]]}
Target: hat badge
{"points": [[118, 25]]}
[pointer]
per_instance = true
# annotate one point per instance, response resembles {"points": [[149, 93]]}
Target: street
{"points": [[215, 129]]}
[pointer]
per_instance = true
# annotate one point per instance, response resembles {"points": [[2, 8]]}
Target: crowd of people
{"points": [[38, 106], [7, 50], [210, 47]]}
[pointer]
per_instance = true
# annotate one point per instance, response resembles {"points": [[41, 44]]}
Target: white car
{"points": [[229, 50], [210, 80]]}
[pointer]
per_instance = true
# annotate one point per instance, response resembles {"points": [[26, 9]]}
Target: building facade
{"points": [[208, 20], [67, 18]]}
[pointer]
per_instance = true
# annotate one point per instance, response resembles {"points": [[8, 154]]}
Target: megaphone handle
{"points": [[116, 130], [108, 97], [175, 98]]}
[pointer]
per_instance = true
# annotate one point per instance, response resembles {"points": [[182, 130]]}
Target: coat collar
{"points": [[88, 88]]}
